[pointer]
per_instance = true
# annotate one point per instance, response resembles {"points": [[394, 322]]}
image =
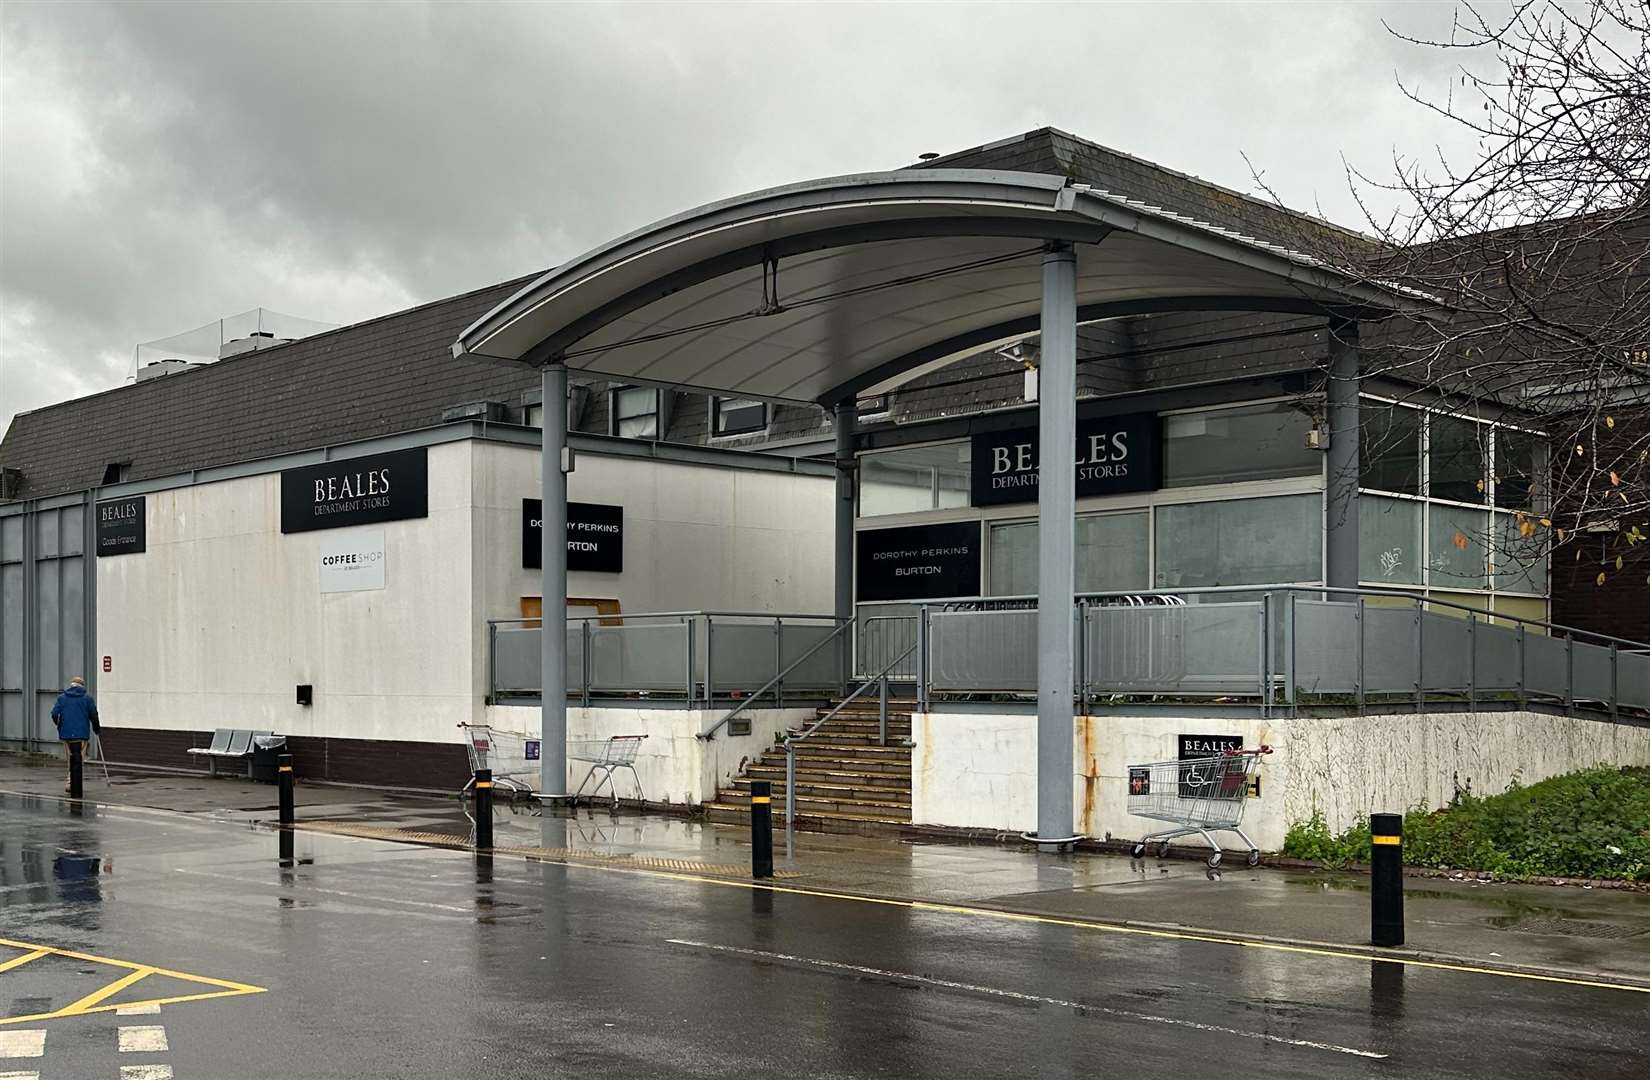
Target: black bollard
{"points": [[761, 829], [1386, 879], [484, 809], [283, 774], [75, 770]]}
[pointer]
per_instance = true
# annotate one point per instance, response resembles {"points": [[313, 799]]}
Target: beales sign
{"points": [[356, 491], [918, 562], [1115, 454], [121, 526], [595, 536]]}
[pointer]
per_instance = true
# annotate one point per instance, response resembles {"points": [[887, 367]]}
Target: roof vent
{"points": [[488, 412], [157, 368]]}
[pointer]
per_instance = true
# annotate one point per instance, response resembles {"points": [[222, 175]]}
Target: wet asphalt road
{"points": [[383, 960]]}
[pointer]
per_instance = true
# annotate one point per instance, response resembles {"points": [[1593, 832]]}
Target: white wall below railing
{"points": [[979, 771], [673, 765]]}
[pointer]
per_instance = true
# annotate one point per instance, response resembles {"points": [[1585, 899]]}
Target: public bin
{"points": [[266, 750]]}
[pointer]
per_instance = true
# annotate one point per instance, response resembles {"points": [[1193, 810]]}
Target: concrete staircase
{"points": [[845, 781]]}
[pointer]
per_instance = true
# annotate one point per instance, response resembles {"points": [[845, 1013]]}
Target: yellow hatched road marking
{"points": [[135, 973], [19, 961]]}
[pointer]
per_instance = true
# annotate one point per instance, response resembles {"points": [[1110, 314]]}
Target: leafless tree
{"points": [[1538, 242]]}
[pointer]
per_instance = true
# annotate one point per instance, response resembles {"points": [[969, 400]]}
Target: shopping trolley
{"points": [[512, 755], [605, 756], [1199, 795]]}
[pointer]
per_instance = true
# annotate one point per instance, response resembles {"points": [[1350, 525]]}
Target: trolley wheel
{"points": [[1254, 858], [1213, 860], [1138, 851], [1162, 849]]}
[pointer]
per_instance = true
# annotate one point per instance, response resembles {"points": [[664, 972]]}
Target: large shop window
{"points": [[1457, 548], [1389, 540], [1389, 448], [636, 412], [1110, 554], [1457, 459], [1240, 542], [1520, 556], [1223, 446], [1515, 469], [920, 478]]}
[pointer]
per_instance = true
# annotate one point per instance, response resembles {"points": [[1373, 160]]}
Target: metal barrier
{"points": [[693, 656], [1273, 648]]}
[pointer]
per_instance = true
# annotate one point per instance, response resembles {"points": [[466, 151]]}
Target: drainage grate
{"points": [[1574, 928]]}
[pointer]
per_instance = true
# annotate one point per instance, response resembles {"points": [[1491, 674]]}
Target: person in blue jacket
{"points": [[75, 715]]}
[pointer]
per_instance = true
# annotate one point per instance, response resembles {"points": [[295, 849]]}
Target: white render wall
{"points": [[696, 537], [223, 616], [977, 770], [673, 765], [218, 621]]}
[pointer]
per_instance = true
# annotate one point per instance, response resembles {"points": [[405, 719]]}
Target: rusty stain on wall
{"points": [[1090, 763]]}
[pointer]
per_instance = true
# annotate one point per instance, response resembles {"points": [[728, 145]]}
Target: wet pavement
{"points": [[360, 957]]}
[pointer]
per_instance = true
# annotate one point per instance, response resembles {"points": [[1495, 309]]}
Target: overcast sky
{"points": [[162, 166]]}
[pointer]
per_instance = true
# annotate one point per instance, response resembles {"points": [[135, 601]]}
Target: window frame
{"points": [[614, 420], [718, 403]]}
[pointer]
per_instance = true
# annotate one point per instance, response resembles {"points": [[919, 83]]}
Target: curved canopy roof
{"points": [[815, 291]]}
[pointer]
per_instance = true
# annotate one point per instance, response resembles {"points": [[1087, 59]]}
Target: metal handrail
{"points": [[1407, 594], [880, 678], [676, 615], [710, 733]]}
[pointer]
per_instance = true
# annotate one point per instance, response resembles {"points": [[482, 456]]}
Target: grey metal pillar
{"points": [[553, 551], [843, 420], [1056, 526], [1341, 462]]}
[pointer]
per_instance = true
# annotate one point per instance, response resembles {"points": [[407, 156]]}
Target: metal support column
{"points": [[843, 420], [1340, 502], [553, 551], [1056, 528]]}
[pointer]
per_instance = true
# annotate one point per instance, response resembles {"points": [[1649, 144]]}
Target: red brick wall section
{"points": [[430, 766], [1621, 606]]}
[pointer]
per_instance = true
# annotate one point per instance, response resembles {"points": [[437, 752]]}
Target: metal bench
{"points": [[231, 743]]}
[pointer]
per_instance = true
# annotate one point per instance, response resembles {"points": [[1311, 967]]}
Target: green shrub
{"points": [[1593, 823]]}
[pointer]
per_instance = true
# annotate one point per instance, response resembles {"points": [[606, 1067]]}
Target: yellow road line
{"points": [[1116, 928], [19, 961], [97, 997], [135, 972]]}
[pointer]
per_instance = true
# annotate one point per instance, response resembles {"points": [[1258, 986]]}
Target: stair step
{"points": [[776, 774], [818, 745], [840, 792], [808, 804], [833, 763], [854, 738], [740, 815]]}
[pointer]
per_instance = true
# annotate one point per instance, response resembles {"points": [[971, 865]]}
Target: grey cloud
{"points": [[167, 164]]}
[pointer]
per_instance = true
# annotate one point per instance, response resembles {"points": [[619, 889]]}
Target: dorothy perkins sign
{"points": [[595, 536], [121, 526], [1114, 454], [356, 491], [918, 562]]}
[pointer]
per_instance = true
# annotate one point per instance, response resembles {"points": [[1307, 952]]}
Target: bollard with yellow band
{"points": [[283, 776], [1386, 880], [761, 829], [484, 809]]}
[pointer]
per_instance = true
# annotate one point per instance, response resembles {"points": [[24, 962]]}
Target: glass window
{"points": [[1389, 540], [1110, 555], [1240, 542], [1389, 448], [1458, 451], [636, 412], [1456, 553], [738, 416], [1514, 469], [1256, 442], [1520, 555], [921, 478]]}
